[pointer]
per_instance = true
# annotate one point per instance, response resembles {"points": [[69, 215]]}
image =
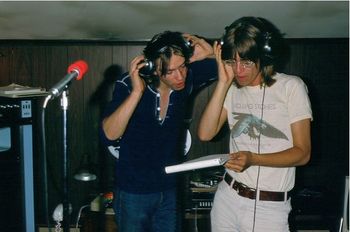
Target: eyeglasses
{"points": [[242, 63]]}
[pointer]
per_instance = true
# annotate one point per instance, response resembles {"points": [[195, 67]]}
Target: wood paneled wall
{"points": [[43, 64], [322, 63], [324, 66]]}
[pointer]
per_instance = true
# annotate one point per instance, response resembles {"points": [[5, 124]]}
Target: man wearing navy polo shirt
{"points": [[146, 117]]}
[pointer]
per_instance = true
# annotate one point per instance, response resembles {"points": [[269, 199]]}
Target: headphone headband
{"points": [[163, 43], [257, 30]]}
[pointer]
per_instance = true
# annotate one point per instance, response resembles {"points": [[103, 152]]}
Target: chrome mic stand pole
{"points": [[64, 104]]}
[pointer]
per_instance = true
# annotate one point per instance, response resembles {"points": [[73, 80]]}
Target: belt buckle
{"points": [[241, 188], [246, 187], [246, 191]]}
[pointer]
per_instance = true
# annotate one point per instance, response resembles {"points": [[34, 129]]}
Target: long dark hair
{"points": [[164, 45], [255, 39]]}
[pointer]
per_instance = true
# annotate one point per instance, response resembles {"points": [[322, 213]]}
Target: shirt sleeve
{"points": [[120, 93], [299, 105], [204, 72]]}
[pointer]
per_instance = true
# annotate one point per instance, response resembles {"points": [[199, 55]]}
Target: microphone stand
{"points": [[75, 70], [64, 104]]}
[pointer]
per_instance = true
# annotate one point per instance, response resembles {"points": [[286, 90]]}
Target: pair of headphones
{"points": [[163, 44], [262, 34]]}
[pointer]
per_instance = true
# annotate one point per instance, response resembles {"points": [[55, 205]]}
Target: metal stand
{"points": [[65, 202], [26, 144]]}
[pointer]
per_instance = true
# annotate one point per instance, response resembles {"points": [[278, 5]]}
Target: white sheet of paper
{"points": [[202, 162]]}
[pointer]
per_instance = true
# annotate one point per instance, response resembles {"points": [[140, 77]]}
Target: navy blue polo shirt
{"points": [[148, 144]]}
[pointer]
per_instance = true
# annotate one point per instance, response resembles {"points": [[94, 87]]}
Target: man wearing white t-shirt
{"points": [[269, 115]]}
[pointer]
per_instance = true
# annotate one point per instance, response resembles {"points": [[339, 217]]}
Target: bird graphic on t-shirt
{"points": [[253, 126]]}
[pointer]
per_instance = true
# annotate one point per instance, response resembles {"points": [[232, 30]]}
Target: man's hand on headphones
{"points": [[201, 48], [225, 71], [138, 83]]}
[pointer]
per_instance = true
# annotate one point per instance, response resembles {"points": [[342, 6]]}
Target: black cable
{"points": [[44, 166], [257, 178]]}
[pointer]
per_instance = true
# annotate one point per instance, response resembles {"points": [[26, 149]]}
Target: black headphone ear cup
{"points": [[147, 71], [267, 47], [267, 57], [188, 46]]}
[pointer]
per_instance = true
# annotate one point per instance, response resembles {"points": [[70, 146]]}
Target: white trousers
{"points": [[234, 213]]}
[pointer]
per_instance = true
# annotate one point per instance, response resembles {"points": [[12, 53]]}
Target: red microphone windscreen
{"points": [[79, 66]]}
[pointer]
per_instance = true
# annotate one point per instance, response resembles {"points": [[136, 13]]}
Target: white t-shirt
{"points": [[284, 103]]}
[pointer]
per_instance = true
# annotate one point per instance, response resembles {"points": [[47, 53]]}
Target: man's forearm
{"points": [[115, 124]]}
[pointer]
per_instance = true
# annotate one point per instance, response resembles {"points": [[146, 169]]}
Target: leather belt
{"points": [[245, 191]]}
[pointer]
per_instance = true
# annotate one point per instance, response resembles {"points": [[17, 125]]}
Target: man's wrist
{"points": [[137, 93], [255, 159]]}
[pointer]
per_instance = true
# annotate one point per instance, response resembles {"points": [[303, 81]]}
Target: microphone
{"points": [[75, 71]]}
